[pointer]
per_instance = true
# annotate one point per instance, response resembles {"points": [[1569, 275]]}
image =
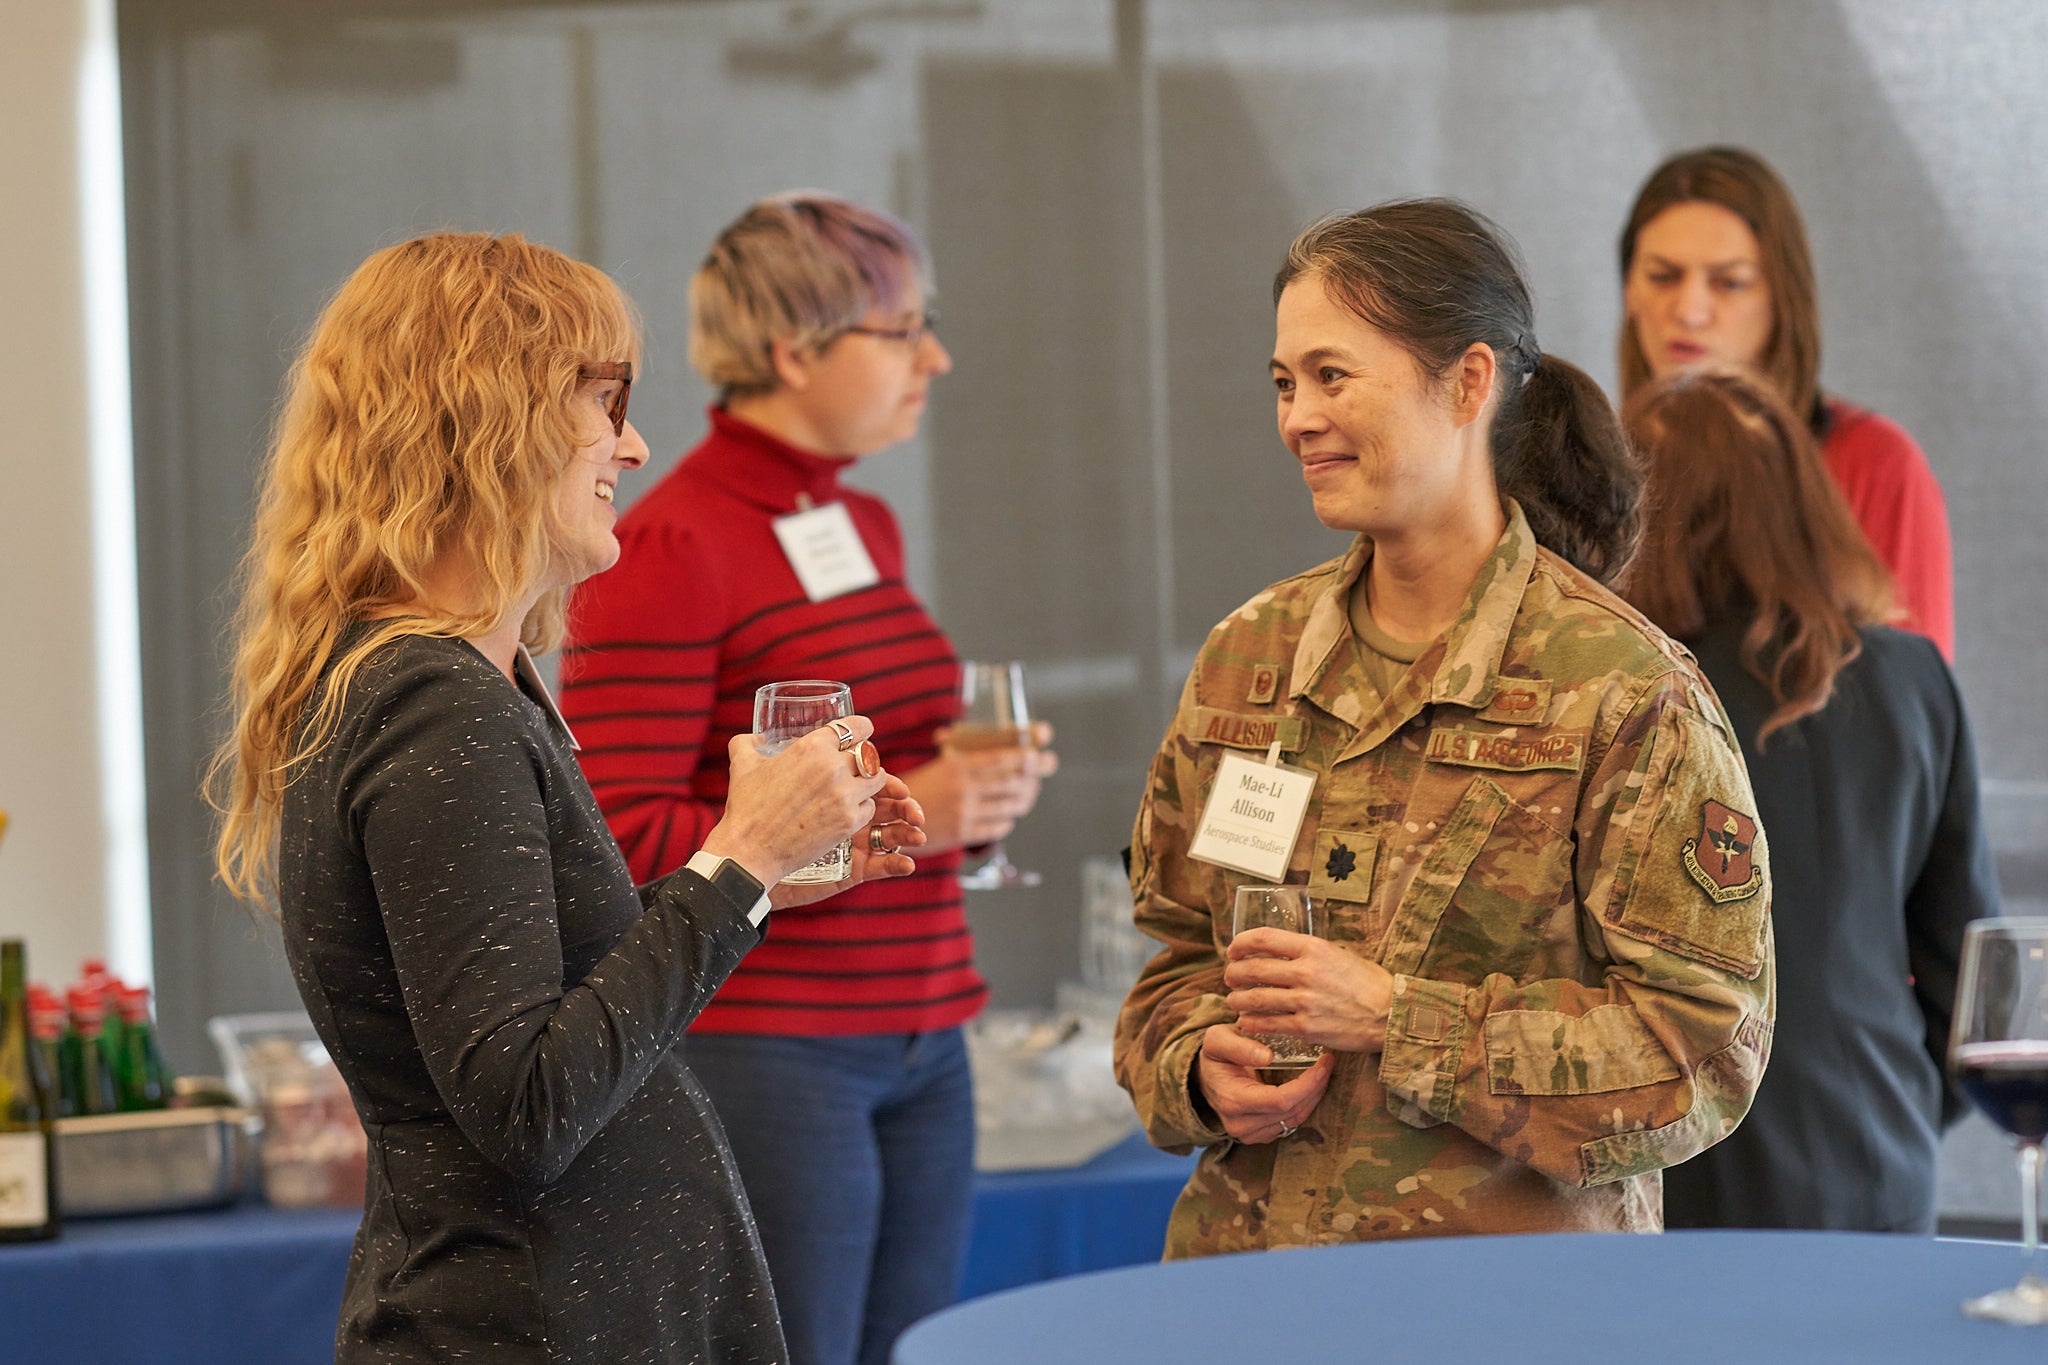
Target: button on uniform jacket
{"points": [[1546, 834]]}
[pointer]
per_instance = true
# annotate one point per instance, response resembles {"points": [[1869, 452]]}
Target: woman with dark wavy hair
{"points": [[1544, 972], [1715, 270], [1865, 778]]}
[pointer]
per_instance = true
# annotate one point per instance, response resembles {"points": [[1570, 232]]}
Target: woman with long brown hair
{"points": [[547, 1182], [1716, 270], [1865, 778]]}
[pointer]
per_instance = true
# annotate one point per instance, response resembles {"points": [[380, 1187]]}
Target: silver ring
{"points": [[875, 844], [1287, 1129], [845, 733], [867, 759]]}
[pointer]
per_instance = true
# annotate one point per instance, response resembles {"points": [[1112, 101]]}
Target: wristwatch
{"points": [[735, 882]]}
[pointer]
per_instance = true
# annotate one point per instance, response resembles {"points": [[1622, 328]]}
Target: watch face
{"points": [[737, 882], [742, 888]]}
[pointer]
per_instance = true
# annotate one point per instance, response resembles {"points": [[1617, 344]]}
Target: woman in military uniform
{"points": [[1546, 968]]}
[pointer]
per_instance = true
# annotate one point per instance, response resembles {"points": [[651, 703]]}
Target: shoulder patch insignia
{"points": [[1265, 684], [1720, 856]]}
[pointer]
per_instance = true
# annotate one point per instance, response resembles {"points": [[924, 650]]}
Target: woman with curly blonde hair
{"points": [[501, 999]]}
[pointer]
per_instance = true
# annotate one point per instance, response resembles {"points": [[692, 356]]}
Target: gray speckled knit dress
{"points": [[546, 1180]]}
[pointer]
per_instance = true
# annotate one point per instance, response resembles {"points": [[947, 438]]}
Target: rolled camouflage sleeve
{"points": [[1180, 992], [1595, 1081]]}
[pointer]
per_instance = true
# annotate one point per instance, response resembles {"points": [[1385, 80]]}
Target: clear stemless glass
{"points": [[787, 711], [993, 715], [1998, 1050], [1278, 907]]}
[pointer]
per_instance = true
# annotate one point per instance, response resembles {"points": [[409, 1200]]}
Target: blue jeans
{"points": [[858, 1156]]}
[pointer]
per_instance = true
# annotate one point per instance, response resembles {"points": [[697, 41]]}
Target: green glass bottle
{"points": [[96, 1092], [28, 1142], [46, 1035], [144, 1081]]}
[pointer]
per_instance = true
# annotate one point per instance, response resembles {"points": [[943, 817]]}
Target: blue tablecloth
{"points": [[261, 1286], [1037, 1225], [1758, 1298]]}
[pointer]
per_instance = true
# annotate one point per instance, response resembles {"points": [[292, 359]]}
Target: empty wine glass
{"points": [[1998, 1050], [993, 715]]}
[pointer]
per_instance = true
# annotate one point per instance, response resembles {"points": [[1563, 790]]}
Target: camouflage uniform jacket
{"points": [[1545, 833]]}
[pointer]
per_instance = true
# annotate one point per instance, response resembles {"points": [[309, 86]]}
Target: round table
{"points": [[1718, 1298]]}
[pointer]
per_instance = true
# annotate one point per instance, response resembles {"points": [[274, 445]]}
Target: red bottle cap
{"points": [[134, 1004], [88, 1012], [46, 1019]]}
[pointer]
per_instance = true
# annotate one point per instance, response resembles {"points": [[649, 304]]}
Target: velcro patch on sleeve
{"points": [[1701, 887]]}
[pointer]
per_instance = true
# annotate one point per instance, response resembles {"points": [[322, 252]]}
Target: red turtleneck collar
{"points": [[760, 467]]}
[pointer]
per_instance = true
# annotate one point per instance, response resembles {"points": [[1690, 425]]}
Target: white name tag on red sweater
{"points": [[825, 549]]}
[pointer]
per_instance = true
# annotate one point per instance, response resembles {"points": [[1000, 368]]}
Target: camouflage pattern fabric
{"points": [[1546, 833]]}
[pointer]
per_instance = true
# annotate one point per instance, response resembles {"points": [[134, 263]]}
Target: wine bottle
{"points": [[46, 1035], [144, 1081], [96, 1092], [28, 1142]]}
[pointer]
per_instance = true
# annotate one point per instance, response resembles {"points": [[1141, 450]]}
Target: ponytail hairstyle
{"points": [[1742, 182], [1744, 519], [431, 410], [1438, 278]]}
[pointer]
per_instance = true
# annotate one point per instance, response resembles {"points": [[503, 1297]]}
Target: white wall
{"points": [[72, 834]]}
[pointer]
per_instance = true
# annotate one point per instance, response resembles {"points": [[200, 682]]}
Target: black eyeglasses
{"points": [[912, 336], [621, 370]]}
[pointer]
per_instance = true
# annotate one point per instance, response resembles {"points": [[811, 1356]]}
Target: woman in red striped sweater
{"points": [[834, 1053]]}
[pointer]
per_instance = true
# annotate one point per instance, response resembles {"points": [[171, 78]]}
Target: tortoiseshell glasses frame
{"points": [[621, 370]]}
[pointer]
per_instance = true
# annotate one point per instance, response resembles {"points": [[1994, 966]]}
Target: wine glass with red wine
{"points": [[1998, 1050]]}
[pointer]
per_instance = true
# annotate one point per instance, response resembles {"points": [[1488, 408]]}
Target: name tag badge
{"points": [[1254, 814], [826, 551]]}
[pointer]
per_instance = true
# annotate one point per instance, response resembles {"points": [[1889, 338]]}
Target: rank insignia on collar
{"points": [[1721, 857], [1265, 684]]}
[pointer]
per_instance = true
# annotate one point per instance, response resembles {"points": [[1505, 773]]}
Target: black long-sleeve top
{"points": [[546, 1180], [1878, 860]]}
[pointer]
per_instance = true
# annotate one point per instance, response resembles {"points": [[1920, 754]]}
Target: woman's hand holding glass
{"points": [[1300, 986], [976, 796], [783, 810], [1251, 1110]]}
